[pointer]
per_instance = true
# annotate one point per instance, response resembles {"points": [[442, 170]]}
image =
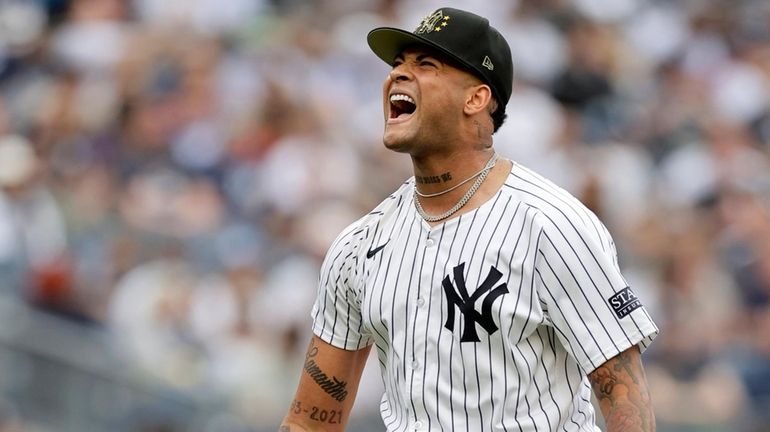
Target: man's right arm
{"points": [[327, 388]]}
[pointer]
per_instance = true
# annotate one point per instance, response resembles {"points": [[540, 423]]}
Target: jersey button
{"points": [[415, 364], [417, 425], [420, 302], [430, 242]]}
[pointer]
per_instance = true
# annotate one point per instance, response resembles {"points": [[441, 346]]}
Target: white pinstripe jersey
{"points": [[489, 321]]}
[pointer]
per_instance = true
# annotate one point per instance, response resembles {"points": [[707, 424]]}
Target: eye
{"points": [[427, 63]]}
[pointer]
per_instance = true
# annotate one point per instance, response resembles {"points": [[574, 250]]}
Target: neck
{"points": [[437, 208], [436, 173]]}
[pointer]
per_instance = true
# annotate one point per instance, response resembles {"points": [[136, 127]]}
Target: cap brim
{"points": [[388, 42]]}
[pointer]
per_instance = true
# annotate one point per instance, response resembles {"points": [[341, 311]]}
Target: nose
{"points": [[399, 73]]}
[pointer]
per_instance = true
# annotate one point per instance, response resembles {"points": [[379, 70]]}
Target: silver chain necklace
{"points": [[431, 195], [464, 200]]}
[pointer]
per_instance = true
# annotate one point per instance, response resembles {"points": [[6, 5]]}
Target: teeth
{"points": [[402, 97]]}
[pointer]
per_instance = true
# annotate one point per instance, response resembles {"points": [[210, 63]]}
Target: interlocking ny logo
{"points": [[457, 295]]}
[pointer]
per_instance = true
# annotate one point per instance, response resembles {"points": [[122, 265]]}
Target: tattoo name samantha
{"points": [[332, 386]]}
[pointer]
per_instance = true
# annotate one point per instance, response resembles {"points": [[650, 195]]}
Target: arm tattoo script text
{"points": [[332, 386]]}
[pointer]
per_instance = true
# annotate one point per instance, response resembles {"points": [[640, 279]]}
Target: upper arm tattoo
{"points": [[333, 386], [621, 389]]}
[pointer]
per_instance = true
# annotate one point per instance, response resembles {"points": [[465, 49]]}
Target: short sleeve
{"points": [[595, 313], [337, 311]]}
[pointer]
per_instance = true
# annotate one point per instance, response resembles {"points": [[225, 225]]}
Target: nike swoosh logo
{"points": [[372, 252]]}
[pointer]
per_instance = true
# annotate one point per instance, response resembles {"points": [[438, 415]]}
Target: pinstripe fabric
{"points": [[551, 327]]}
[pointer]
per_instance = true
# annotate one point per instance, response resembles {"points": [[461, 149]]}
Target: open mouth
{"points": [[401, 106]]}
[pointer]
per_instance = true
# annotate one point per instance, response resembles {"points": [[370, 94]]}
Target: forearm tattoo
{"points": [[317, 414], [622, 393], [333, 386]]}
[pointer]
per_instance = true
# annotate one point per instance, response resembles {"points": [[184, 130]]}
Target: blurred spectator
{"points": [[33, 250], [172, 172]]}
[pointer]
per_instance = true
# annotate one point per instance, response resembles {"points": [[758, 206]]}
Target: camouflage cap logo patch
{"points": [[433, 22]]}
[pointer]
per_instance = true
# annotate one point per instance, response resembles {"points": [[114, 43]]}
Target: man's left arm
{"points": [[621, 389]]}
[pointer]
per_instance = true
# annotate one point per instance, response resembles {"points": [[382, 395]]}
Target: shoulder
{"points": [[555, 208], [359, 234], [390, 206]]}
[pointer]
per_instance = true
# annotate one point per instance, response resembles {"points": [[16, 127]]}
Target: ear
{"points": [[477, 98]]}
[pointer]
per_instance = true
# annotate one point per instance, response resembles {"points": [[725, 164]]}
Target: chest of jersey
{"points": [[468, 281]]}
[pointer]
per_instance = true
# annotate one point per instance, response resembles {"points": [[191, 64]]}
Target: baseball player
{"points": [[492, 297]]}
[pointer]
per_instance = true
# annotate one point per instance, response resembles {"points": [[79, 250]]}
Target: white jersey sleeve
{"points": [[584, 296], [337, 310]]}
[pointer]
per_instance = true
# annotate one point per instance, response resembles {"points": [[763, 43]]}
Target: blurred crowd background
{"points": [[172, 172]]}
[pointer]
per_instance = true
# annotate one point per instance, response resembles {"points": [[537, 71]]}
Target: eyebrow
{"points": [[426, 55], [420, 57]]}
